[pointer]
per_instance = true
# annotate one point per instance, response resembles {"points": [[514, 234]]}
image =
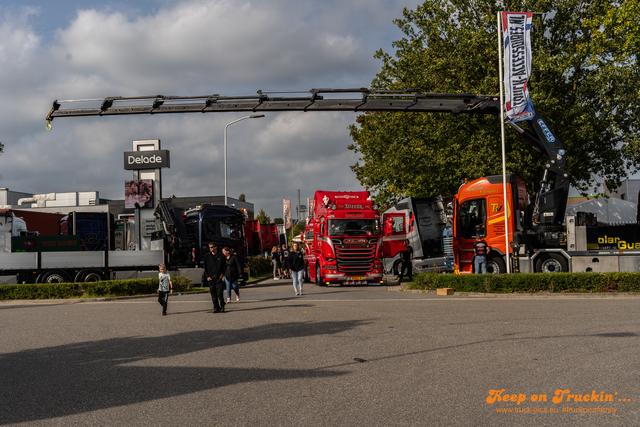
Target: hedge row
{"points": [[259, 267], [110, 288], [530, 283]]}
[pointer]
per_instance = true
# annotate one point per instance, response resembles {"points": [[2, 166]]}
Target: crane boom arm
{"points": [[551, 202], [369, 100]]}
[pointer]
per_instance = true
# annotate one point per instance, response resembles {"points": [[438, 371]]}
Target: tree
{"points": [[263, 218], [242, 197], [587, 91], [278, 221]]}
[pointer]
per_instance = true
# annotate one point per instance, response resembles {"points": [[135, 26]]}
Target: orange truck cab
{"points": [[479, 210]]}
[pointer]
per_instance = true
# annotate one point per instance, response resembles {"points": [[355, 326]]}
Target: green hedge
{"points": [[530, 283], [110, 288], [259, 267]]}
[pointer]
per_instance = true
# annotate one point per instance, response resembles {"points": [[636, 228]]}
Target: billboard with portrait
{"points": [[138, 193]]}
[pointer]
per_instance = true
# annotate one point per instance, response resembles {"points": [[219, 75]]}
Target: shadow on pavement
{"points": [[76, 378]]}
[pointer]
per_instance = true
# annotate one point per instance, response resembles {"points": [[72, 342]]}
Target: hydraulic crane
{"points": [[550, 203]]}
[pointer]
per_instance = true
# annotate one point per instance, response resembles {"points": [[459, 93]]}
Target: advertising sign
{"points": [[45, 243], [134, 160], [516, 27], [310, 204], [138, 193], [287, 214]]}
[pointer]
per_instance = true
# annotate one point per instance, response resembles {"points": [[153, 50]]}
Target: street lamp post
{"points": [[253, 116]]}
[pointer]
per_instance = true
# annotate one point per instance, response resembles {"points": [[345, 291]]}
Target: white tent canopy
{"points": [[608, 210]]}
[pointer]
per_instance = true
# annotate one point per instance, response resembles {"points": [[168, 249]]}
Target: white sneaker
{"points": [[237, 298], [300, 291], [228, 299], [297, 293]]}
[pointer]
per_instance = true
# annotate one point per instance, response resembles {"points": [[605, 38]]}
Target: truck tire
{"points": [[307, 276], [397, 265], [496, 265], [92, 275], [53, 276], [551, 263], [319, 279]]}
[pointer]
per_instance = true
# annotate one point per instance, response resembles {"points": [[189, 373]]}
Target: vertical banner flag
{"points": [[516, 27], [310, 206], [287, 214]]}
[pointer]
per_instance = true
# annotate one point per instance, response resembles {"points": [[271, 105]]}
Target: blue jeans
{"points": [[298, 277], [229, 285], [480, 261]]}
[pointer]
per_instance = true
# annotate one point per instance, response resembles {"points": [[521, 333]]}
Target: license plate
{"points": [[356, 278]]}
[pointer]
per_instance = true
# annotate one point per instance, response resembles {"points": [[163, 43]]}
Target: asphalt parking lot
{"points": [[358, 356]]}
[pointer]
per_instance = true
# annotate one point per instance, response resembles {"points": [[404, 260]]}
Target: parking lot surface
{"points": [[355, 356]]}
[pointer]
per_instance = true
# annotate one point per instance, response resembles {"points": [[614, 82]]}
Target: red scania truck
{"points": [[343, 239]]}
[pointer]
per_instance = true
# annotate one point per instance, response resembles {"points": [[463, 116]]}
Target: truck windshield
{"points": [[91, 224], [352, 227], [472, 219], [216, 228]]}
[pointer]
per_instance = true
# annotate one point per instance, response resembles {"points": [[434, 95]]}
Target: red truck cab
{"points": [[343, 239]]}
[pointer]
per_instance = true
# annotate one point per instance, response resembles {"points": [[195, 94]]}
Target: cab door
{"points": [[394, 234], [470, 221]]}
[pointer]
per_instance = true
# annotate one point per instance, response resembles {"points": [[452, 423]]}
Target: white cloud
{"points": [[231, 47], [208, 44]]}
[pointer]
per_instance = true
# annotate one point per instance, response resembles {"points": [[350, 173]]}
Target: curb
{"points": [[609, 295]]}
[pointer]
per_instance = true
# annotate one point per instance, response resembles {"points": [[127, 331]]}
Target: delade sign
{"points": [[134, 160]]}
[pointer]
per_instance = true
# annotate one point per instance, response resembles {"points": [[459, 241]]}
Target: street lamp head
{"points": [[256, 116]]}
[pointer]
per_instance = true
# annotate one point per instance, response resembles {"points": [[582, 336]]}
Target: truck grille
{"points": [[355, 258]]}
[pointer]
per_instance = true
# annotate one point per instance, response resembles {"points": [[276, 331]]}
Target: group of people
{"points": [[289, 264], [223, 270], [220, 270], [279, 258]]}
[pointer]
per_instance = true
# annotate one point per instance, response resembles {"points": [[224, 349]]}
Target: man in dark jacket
{"points": [[214, 269], [407, 265], [295, 265]]}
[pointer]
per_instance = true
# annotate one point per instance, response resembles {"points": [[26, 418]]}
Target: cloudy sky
{"points": [[75, 49]]}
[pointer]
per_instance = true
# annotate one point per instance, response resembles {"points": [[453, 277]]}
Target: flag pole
{"points": [[504, 161]]}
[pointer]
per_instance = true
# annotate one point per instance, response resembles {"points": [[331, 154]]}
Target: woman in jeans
{"points": [[231, 273], [274, 261], [295, 264]]}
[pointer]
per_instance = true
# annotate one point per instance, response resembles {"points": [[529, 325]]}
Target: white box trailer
{"points": [[76, 266], [65, 266]]}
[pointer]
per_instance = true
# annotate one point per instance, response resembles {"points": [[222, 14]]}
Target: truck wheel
{"points": [[319, 279], [552, 263], [89, 276], [496, 265], [53, 276], [397, 265], [307, 276]]}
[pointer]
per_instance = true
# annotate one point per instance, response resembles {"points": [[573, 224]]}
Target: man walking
{"points": [[213, 269], [407, 258], [480, 261], [285, 263]]}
